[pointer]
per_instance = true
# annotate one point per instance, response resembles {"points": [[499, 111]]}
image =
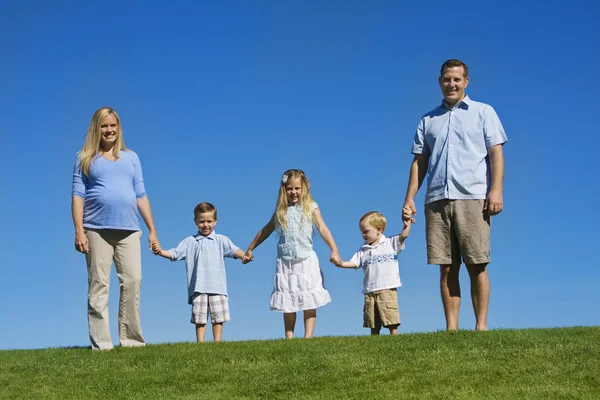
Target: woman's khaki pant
{"points": [[122, 247]]}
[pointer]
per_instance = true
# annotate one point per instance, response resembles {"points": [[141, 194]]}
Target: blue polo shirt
{"points": [[204, 262], [457, 141]]}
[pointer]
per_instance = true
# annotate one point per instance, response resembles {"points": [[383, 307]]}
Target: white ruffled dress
{"points": [[298, 283]]}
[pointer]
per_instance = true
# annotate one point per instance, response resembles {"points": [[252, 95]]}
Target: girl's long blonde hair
{"points": [[305, 201], [91, 146]]}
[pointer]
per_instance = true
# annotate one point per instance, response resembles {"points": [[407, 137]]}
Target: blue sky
{"points": [[219, 98]]}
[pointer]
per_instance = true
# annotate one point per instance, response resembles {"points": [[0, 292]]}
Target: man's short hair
{"points": [[375, 219], [454, 63], [205, 207]]}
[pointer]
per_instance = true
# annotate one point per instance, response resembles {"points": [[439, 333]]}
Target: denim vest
{"points": [[296, 241]]}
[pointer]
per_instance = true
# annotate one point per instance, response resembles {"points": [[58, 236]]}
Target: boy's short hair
{"points": [[375, 218], [205, 207]]}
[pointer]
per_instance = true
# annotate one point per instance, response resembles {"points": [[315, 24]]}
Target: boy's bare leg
{"points": [[310, 321], [377, 329], [289, 322], [450, 290], [200, 332], [217, 331], [480, 294], [393, 329]]}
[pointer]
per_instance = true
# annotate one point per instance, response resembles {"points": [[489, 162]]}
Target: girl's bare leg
{"points": [[289, 322], [310, 321]]}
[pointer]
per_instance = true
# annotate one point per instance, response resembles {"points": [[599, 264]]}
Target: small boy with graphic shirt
{"points": [[204, 255], [378, 257]]}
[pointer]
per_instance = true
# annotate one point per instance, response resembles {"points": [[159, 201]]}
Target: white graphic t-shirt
{"points": [[380, 263]]}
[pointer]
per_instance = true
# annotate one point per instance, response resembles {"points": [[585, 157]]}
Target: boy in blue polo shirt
{"points": [[204, 255]]}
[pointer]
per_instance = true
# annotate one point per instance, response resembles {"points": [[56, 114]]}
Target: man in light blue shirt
{"points": [[204, 255], [458, 145]]}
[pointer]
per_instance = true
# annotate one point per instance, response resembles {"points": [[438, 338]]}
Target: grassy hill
{"points": [[561, 363]]}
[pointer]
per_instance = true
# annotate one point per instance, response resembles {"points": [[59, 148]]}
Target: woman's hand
{"points": [[153, 241], [82, 244]]}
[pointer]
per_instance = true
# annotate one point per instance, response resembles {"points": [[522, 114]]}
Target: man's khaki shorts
{"points": [[381, 306], [457, 229]]}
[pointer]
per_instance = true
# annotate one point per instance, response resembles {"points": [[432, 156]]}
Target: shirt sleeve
{"points": [[79, 181], [493, 131], [229, 248], [356, 259], [395, 243], [314, 206], [178, 253], [138, 179], [420, 144]]}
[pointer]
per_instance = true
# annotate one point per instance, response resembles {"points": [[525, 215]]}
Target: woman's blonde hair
{"points": [[305, 200], [93, 137]]}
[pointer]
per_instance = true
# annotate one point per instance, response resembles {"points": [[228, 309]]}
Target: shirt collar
{"points": [[368, 246], [464, 103], [199, 236]]}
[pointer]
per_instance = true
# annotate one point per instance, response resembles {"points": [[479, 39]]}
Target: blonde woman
{"points": [[298, 276], [108, 191]]}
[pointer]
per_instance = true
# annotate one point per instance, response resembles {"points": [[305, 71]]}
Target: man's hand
{"points": [[493, 204], [409, 211]]}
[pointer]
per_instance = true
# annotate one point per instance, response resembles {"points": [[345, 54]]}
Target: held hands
{"points": [[493, 204], [248, 257], [335, 258], [407, 215], [156, 249], [409, 211], [153, 242]]}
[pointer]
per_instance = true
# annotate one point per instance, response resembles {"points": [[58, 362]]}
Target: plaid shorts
{"points": [[218, 305]]}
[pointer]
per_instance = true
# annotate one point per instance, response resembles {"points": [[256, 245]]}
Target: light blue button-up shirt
{"points": [[204, 262], [457, 141]]}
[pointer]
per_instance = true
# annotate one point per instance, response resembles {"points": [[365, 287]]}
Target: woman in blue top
{"points": [[108, 192]]}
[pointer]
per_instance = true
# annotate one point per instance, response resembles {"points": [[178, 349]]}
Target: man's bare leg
{"points": [[450, 291], [480, 294]]}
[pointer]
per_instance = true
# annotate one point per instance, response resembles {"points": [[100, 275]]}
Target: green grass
{"points": [[561, 363]]}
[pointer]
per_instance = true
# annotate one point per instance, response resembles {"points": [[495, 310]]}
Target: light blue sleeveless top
{"points": [[296, 242]]}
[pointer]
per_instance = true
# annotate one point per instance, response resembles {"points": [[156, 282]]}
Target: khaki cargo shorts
{"points": [[457, 229], [381, 307]]}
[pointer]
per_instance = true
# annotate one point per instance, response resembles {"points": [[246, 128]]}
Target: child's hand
{"points": [[407, 216], [248, 257], [335, 259], [156, 249]]}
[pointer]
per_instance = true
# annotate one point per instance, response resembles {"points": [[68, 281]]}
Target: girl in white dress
{"points": [[298, 277]]}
